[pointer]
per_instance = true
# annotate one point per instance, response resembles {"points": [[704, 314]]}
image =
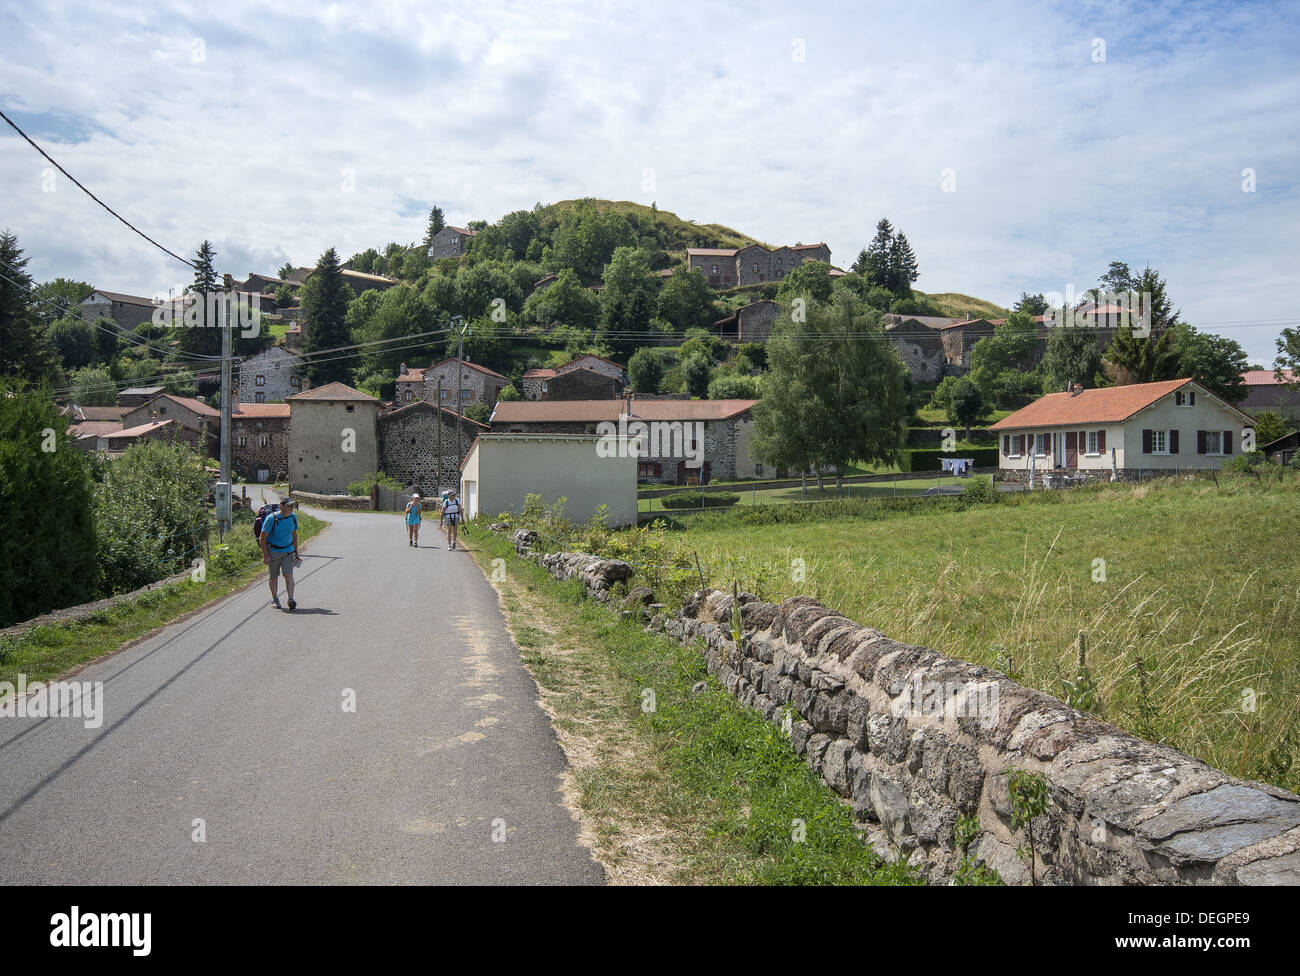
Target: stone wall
{"points": [[914, 741], [354, 503], [409, 442]]}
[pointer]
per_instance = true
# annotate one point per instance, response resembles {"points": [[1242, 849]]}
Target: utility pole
{"points": [[438, 477], [460, 381], [223, 495]]}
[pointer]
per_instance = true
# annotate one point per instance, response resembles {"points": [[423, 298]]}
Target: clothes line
{"points": [[957, 466]]}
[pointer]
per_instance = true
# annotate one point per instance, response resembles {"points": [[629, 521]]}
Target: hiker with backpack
{"points": [[414, 513], [451, 512], [277, 534]]}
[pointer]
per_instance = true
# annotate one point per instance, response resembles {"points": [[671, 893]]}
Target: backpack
{"points": [[262, 513]]}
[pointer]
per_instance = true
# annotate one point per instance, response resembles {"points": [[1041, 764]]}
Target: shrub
{"points": [[363, 486], [700, 499], [47, 535], [980, 489], [149, 515]]}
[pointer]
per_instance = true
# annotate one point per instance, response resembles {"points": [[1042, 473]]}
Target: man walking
{"points": [[279, 541], [451, 516]]}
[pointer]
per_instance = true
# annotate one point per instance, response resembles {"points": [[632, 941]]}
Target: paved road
{"points": [[235, 716]]}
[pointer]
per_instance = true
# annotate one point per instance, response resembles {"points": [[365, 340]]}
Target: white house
{"points": [[586, 471], [1167, 426], [270, 376]]}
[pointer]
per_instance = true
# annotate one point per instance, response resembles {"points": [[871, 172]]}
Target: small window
{"points": [[259, 397], [1094, 446], [1040, 445], [259, 380], [1185, 399], [1214, 442], [242, 441], [715, 269], [467, 394], [293, 381], [1160, 442], [351, 408]]}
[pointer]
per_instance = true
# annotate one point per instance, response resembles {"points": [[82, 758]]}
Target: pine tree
{"points": [[903, 269], [25, 346], [436, 223], [874, 261], [200, 333], [325, 299]]}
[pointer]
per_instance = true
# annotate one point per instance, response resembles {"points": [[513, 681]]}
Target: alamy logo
{"points": [[652, 439], [74, 930], [957, 699], [193, 312], [54, 699]]}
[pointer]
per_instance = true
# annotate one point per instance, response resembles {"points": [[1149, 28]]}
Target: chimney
{"points": [[402, 370], [1076, 389], [627, 403]]}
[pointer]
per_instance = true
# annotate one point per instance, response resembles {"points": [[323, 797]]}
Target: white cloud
{"points": [[240, 130]]}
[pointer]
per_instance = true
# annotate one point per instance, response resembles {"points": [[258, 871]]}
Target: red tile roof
{"points": [[712, 252], [1113, 404], [261, 410], [1267, 377], [541, 373], [594, 411]]}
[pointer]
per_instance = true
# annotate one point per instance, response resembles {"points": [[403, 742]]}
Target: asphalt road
{"points": [[446, 773]]}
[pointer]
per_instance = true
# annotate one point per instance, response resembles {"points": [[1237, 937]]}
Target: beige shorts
{"points": [[282, 562]]}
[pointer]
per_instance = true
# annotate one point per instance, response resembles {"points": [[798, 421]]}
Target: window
{"points": [[1160, 442], [1094, 442], [408, 396], [442, 394], [259, 397], [1040, 445], [649, 469], [1213, 442], [1185, 399], [242, 441], [351, 408], [263, 440], [259, 380], [293, 381], [715, 270], [467, 394]]}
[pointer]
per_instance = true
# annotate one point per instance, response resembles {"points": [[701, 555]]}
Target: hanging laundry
{"points": [[961, 467]]}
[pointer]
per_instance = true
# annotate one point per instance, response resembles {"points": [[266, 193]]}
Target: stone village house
{"points": [[729, 267], [420, 447], [716, 431], [477, 384], [1174, 425], [588, 377], [450, 242], [270, 376]]}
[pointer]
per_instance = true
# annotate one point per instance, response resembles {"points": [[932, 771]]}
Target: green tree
{"points": [[199, 333], [325, 298], [286, 270], [686, 300], [697, 371], [564, 302], [1212, 360], [645, 370], [586, 239], [47, 538], [1269, 426], [734, 386], [998, 363], [434, 225], [1135, 358], [25, 347], [965, 404], [74, 338], [1031, 305], [92, 386], [831, 401], [811, 279], [61, 297], [385, 319], [628, 300], [1073, 355], [479, 287]]}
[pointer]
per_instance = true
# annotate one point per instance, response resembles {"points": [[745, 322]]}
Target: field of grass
{"points": [[682, 787], [903, 486], [48, 651], [1188, 593]]}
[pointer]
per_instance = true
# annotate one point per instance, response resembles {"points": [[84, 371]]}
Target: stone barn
{"points": [[333, 438], [921, 349], [418, 446]]}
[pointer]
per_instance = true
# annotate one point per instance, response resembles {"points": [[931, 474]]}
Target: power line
{"points": [[82, 187]]}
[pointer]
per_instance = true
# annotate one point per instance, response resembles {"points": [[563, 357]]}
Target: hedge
{"points": [[700, 499]]}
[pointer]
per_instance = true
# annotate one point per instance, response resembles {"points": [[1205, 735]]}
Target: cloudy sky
{"points": [[1021, 146]]}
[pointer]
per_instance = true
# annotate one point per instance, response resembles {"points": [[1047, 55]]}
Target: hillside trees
{"points": [[628, 301], [888, 261], [811, 279], [586, 240], [1072, 355], [25, 347], [1001, 365], [563, 302], [325, 298], [645, 370], [686, 300], [831, 401]]}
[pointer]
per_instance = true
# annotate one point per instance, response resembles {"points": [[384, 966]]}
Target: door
{"points": [[471, 499], [1071, 449]]}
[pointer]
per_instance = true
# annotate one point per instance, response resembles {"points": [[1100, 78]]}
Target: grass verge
{"points": [[48, 651], [671, 786]]}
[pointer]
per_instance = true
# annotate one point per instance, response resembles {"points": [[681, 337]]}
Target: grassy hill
{"points": [[953, 304], [681, 233]]}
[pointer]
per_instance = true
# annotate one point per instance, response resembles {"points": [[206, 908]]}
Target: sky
{"points": [[1021, 146]]}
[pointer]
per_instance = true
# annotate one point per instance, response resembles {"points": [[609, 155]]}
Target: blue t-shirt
{"points": [[279, 530]]}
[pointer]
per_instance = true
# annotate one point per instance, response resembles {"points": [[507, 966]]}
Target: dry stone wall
{"points": [[915, 741]]}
